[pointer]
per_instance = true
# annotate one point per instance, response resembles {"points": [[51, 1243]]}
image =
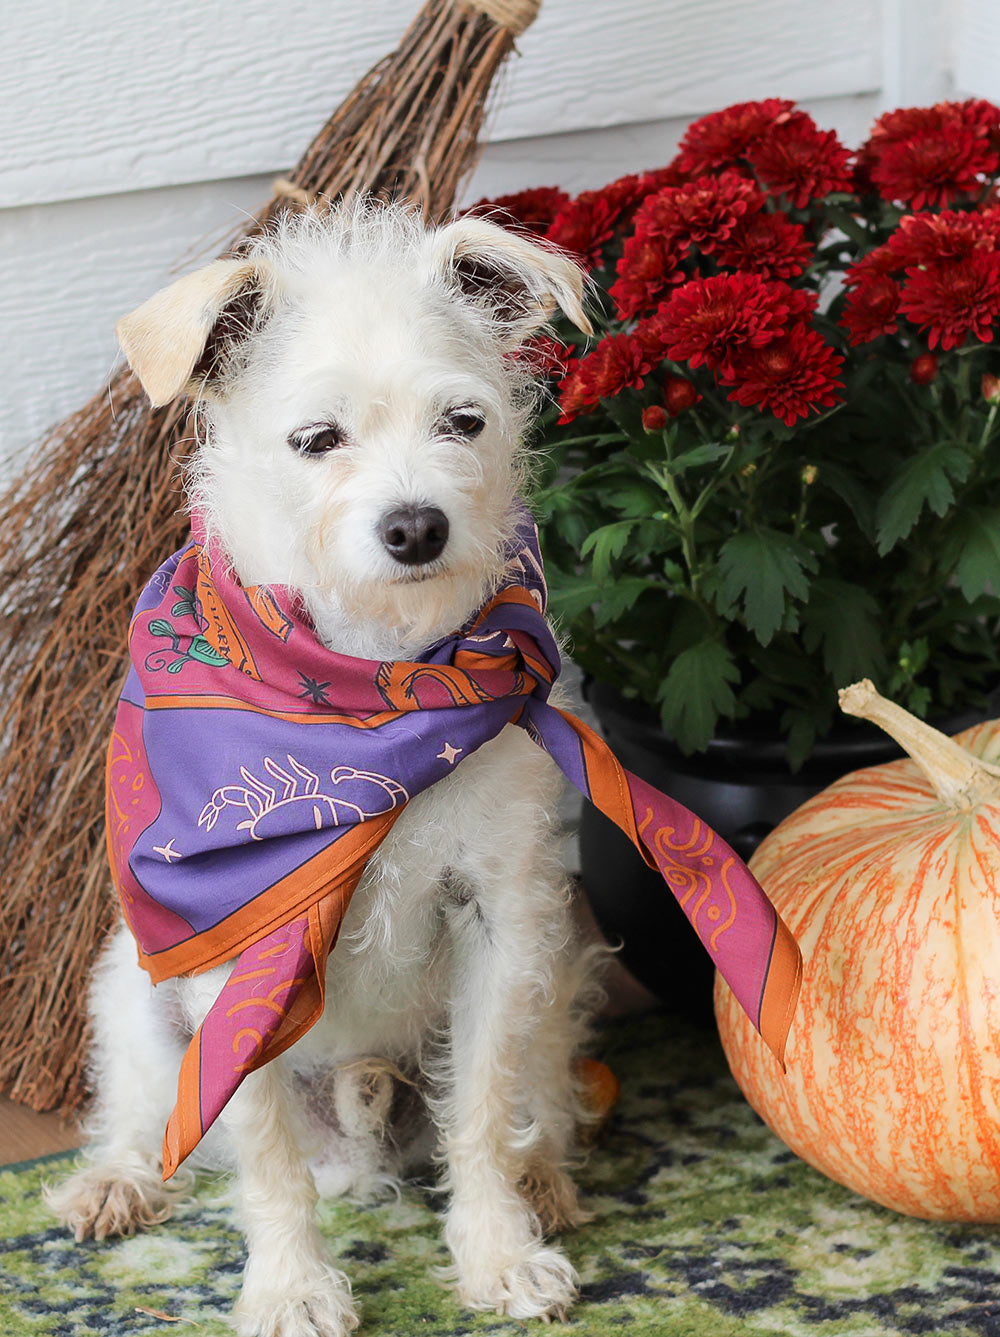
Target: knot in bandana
{"points": [[252, 772]]}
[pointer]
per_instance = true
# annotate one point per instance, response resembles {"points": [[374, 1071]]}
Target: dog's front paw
{"points": [[118, 1198], [321, 1307], [539, 1283]]}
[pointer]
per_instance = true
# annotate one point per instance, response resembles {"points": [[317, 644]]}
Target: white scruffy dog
{"points": [[361, 410]]}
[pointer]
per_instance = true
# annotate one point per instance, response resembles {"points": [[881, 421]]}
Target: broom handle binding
{"points": [[514, 15]]}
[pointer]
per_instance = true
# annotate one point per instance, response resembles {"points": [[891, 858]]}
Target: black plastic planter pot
{"points": [[742, 786]]}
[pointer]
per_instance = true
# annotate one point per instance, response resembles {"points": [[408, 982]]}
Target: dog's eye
{"points": [[464, 422], [319, 439]]}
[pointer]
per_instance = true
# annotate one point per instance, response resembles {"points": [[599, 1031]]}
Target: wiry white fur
{"points": [[457, 966]]}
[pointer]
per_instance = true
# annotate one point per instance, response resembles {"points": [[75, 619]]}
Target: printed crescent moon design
{"points": [[124, 789]]}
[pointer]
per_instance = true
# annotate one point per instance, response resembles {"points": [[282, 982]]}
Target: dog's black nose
{"points": [[414, 534]]}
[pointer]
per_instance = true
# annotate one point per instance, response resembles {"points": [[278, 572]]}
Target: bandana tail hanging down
{"points": [[252, 773]]}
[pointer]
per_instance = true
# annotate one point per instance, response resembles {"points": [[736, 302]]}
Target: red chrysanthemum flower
{"points": [[617, 363], [894, 127], [871, 309], [648, 267], [658, 177], [544, 356], [955, 299], [627, 193], [649, 334], [766, 244], [923, 369], [933, 169], [903, 123], [710, 321], [585, 226], [800, 302], [574, 392], [927, 239], [982, 116], [882, 260], [723, 138], [702, 213], [801, 161], [679, 395], [789, 376], [532, 210], [932, 155]]}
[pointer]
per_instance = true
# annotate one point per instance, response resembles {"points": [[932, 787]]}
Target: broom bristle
{"points": [[98, 508]]}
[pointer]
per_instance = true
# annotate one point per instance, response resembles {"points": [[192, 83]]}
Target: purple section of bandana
{"points": [[247, 799], [133, 805], [559, 739]]}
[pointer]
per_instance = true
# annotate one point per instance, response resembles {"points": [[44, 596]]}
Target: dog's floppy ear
{"points": [[180, 338], [519, 281]]}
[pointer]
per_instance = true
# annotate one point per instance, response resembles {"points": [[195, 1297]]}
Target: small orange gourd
{"points": [[890, 882], [599, 1092]]}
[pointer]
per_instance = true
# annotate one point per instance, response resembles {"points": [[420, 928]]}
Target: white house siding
{"points": [[977, 48], [132, 131]]}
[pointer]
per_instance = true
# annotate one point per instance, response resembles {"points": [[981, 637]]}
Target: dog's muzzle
{"points": [[414, 535]]}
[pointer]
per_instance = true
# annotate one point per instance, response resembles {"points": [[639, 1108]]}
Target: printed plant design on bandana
{"points": [[174, 657], [201, 883]]}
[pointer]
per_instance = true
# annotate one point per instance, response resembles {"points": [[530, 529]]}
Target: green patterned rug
{"points": [[706, 1227]]}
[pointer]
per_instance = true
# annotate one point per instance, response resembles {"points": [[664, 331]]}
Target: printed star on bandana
{"points": [[316, 691], [168, 851]]}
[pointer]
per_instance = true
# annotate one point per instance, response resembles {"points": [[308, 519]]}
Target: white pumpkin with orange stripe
{"points": [[890, 882]]}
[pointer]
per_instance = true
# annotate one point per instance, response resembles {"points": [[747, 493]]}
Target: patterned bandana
{"points": [[252, 773]]}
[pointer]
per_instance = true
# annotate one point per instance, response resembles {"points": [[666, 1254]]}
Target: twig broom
{"points": [[95, 511]]}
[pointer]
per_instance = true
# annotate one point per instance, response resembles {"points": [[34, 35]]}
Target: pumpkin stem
{"points": [[958, 778]]}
